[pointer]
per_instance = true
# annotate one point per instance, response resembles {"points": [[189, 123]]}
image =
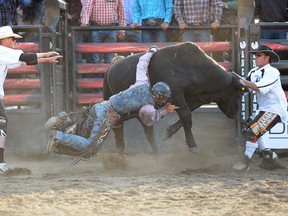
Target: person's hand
{"points": [[50, 57], [121, 35], [164, 25], [171, 108], [134, 25], [49, 54], [53, 58], [83, 25], [183, 25], [215, 25]]}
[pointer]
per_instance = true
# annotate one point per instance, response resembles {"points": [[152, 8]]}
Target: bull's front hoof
{"points": [[194, 149], [166, 136]]}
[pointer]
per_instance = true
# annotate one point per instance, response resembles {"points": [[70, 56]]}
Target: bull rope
{"points": [[108, 82]]}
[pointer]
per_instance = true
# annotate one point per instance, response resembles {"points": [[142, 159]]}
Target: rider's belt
{"points": [[153, 22]]}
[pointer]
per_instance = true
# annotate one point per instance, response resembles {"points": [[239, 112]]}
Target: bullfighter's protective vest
{"points": [[132, 99]]}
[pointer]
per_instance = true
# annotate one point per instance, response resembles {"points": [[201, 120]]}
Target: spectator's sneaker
{"points": [[3, 167], [52, 141], [243, 164], [153, 49], [55, 121]]}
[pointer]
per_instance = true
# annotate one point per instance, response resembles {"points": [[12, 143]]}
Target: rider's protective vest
{"points": [[132, 99]]}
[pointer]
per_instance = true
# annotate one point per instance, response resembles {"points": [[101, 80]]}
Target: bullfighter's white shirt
{"points": [[9, 58], [270, 97]]}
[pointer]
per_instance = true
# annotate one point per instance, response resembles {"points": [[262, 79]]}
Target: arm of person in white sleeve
{"points": [[149, 115]]}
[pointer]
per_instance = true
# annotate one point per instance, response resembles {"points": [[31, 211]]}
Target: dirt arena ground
{"points": [[175, 183]]}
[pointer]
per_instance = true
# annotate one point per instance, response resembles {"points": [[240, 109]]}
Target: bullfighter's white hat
{"points": [[6, 31]]}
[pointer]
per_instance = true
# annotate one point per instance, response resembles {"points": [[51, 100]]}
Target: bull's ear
{"points": [[243, 86]]}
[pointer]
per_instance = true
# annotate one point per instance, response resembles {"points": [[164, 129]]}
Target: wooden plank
{"points": [[92, 68], [22, 84], [142, 47], [277, 46], [24, 69], [89, 98], [27, 47], [21, 99], [89, 83], [102, 68]]}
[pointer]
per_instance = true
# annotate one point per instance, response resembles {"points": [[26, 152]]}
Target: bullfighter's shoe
{"points": [[56, 121], [270, 160], [243, 164], [52, 141], [153, 49], [3, 168]]}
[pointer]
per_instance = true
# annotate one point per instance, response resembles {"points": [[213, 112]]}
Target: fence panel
{"points": [[87, 84], [28, 95]]}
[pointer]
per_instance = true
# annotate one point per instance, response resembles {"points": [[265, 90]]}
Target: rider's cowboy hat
{"points": [[267, 51], [6, 31]]}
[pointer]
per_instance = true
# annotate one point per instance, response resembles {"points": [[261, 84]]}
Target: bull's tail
{"points": [[107, 89]]}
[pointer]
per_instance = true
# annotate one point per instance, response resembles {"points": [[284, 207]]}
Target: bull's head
{"points": [[229, 105]]}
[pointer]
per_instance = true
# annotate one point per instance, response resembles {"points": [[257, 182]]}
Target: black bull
{"points": [[195, 79]]}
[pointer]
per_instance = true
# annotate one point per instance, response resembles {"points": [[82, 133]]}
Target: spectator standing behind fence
{"points": [[174, 35], [74, 10], [33, 11], [197, 13], [229, 17], [103, 13], [8, 12], [132, 35], [272, 11], [12, 58], [152, 13], [32, 14]]}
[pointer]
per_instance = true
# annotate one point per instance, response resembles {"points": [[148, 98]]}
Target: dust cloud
{"points": [[176, 182]]}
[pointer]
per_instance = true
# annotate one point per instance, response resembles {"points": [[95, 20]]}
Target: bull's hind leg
{"points": [[186, 118], [119, 138], [190, 141]]}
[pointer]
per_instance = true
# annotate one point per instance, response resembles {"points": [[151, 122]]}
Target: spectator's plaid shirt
{"points": [[103, 12], [7, 12], [197, 11]]}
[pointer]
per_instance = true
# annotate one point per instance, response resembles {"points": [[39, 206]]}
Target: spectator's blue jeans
{"points": [[273, 34], [33, 12], [196, 35], [133, 36], [153, 35], [103, 36]]}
